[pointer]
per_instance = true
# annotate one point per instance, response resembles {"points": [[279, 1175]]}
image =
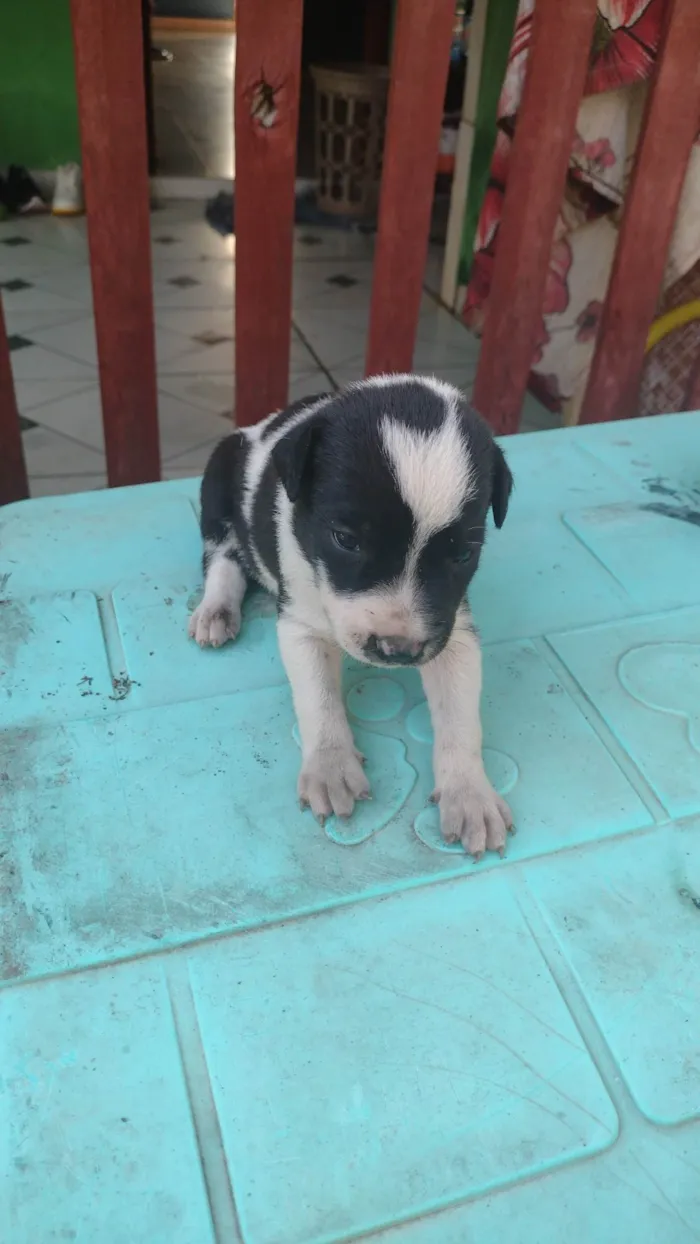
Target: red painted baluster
{"points": [[108, 44], [556, 72], [670, 126], [419, 65], [13, 471], [268, 69]]}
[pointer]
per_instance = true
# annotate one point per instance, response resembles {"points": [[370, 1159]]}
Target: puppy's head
{"points": [[391, 483]]}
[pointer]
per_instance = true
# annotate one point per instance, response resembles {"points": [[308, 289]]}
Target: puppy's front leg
{"points": [[331, 777], [470, 809]]}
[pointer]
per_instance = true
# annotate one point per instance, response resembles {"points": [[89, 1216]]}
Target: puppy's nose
{"points": [[398, 648]]}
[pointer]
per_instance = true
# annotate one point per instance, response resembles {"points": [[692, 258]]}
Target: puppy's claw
{"points": [[331, 781], [214, 627], [472, 813]]}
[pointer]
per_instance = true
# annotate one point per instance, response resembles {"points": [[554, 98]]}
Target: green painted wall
{"points": [[38, 109]]}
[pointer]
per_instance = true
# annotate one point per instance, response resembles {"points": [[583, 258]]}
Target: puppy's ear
{"points": [[501, 486], [292, 457]]}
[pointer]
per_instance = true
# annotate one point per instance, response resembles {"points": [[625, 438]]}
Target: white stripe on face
{"points": [[433, 471], [440, 388]]}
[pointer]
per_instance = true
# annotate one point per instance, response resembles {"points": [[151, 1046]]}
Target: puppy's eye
{"points": [[345, 540], [463, 556]]}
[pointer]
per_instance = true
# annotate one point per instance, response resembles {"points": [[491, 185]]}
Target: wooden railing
{"points": [[109, 59]]}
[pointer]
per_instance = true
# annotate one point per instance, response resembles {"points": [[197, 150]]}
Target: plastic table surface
{"points": [[220, 1022]]}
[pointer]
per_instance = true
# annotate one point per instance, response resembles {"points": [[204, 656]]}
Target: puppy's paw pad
{"points": [[472, 813], [331, 781], [213, 627]]}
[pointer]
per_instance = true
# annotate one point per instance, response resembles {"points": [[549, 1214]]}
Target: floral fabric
{"points": [[625, 43]]}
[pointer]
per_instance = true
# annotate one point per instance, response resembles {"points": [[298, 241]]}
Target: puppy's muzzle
{"points": [[395, 649]]}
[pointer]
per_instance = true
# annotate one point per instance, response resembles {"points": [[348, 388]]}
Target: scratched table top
{"points": [[220, 1022]]}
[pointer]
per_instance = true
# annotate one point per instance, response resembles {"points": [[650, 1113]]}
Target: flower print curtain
{"points": [[625, 44]]}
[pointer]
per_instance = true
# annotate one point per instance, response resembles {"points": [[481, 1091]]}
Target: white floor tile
{"points": [[193, 322], [65, 234], [32, 394], [195, 459], [339, 338], [220, 359], [182, 472], [176, 212], [38, 299], [72, 283], [188, 241], [312, 243], [336, 335], [26, 323], [208, 290], [36, 363], [213, 393], [50, 455], [183, 426], [433, 268], [60, 485], [79, 416], [349, 371], [33, 259], [316, 286], [55, 231], [77, 340], [309, 384], [196, 359]]}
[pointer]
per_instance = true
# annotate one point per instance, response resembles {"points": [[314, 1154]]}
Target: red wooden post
{"points": [[13, 472], [111, 97], [670, 126], [268, 70], [419, 65], [556, 72]]}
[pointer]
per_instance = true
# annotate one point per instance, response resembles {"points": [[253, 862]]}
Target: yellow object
{"points": [[667, 323]]}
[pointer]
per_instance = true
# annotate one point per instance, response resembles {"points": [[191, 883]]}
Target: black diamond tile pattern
{"points": [[15, 285]]}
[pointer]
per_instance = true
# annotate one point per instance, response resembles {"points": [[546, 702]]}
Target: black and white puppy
{"points": [[364, 512]]}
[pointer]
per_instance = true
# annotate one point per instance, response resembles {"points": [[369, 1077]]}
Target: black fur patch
{"points": [[348, 515]]}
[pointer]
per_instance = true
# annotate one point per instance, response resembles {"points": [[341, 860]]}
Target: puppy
{"points": [[364, 512]]}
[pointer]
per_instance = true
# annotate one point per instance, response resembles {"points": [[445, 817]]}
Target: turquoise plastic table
{"points": [[220, 1022]]}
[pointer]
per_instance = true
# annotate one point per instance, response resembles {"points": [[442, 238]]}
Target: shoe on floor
{"points": [[68, 195], [21, 194]]}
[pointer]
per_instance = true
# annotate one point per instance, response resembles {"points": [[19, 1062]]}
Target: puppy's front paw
{"points": [[214, 626], [472, 813], [332, 780]]}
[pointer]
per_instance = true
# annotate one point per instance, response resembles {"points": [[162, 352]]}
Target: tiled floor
{"points": [[193, 105], [45, 286]]}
